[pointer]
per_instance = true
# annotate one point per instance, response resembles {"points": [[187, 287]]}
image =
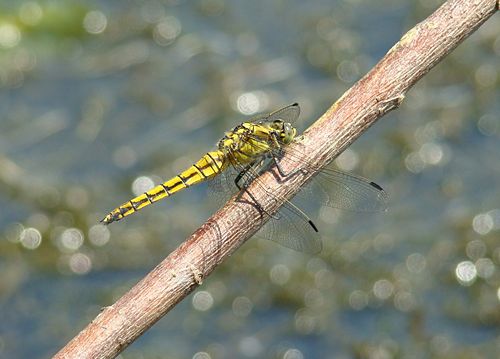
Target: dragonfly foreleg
{"points": [[279, 148]]}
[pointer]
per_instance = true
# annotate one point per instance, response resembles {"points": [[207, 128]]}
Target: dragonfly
{"points": [[242, 155]]}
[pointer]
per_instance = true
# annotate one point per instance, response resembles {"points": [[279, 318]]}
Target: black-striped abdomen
{"points": [[207, 167]]}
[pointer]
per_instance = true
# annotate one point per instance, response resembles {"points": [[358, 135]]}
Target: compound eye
{"points": [[278, 124], [288, 133]]}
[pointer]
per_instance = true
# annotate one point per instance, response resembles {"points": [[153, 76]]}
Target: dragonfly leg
{"points": [[240, 187], [242, 173], [282, 172]]}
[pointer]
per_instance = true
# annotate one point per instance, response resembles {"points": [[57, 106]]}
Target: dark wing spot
{"points": [[373, 184], [313, 226]]}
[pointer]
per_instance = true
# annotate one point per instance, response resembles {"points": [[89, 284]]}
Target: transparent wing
{"points": [[288, 113], [334, 188], [288, 229], [222, 187]]}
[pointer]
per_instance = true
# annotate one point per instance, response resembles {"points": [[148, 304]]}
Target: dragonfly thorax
{"points": [[249, 141]]}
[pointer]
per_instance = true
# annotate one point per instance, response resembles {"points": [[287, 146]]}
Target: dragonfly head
{"points": [[285, 130]]}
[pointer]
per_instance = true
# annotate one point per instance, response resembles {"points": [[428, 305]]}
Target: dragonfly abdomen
{"points": [[211, 164]]}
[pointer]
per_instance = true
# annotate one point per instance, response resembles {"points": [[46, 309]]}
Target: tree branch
{"points": [[380, 91]]}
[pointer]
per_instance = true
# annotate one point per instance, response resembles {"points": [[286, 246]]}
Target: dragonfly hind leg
{"points": [[282, 172], [243, 187], [242, 174], [292, 173], [291, 206]]}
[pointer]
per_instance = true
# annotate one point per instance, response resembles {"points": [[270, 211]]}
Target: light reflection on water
{"points": [[100, 103]]}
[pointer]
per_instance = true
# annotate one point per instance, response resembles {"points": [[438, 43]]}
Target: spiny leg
{"points": [[248, 168], [251, 167], [282, 172], [290, 204], [292, 173]]}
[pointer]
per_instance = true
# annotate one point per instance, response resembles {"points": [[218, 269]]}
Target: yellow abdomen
{"points": [[242, 146], [207, 167]]}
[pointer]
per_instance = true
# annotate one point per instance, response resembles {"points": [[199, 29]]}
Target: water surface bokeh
{"points": [[98, 100]]}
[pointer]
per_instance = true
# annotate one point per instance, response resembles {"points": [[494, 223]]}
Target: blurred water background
{"points": [[101, 99]]}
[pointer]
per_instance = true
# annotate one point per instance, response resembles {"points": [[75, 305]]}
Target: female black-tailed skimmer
{"points": [[245, 152]]}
